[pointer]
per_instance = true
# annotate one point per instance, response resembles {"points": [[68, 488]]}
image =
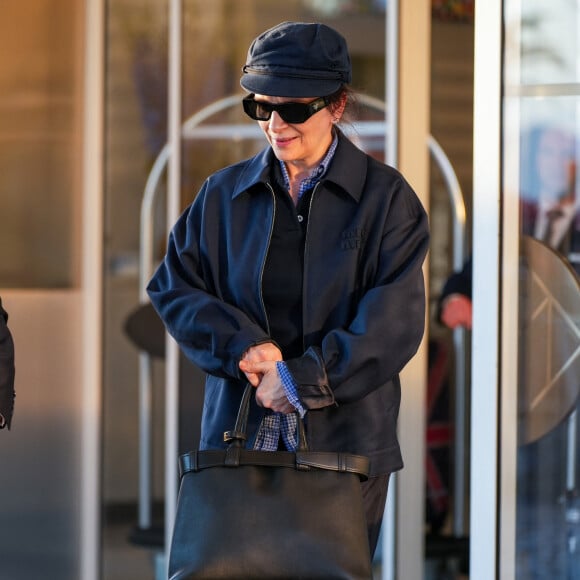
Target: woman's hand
{"points": [[270, 391], [267, 351]]}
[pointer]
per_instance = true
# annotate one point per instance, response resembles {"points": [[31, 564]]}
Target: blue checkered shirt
{"points": [[309, 182]]}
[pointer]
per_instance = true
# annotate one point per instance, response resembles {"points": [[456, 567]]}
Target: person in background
{"points": [[6, 371], [551, 214], [550, 210], [454, 307], [300, 270]]}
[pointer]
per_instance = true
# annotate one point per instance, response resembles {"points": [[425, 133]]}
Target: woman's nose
{"points": [[276, 121]]}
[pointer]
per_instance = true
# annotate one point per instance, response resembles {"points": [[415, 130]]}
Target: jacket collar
{"points": [[349, 167], [347, 170]]}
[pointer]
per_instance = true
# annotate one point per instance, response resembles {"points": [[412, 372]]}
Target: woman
{"points": [[299, 270]]}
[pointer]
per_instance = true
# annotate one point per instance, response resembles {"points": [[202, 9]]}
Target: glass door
{"points": [[542, 216], [43, 261]]}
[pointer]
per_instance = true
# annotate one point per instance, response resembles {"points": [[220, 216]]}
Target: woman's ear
{"points": [[337, 108]]}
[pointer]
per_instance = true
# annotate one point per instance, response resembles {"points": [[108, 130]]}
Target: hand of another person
{"points": [[457, 311], [266, 351], [270, 391]]}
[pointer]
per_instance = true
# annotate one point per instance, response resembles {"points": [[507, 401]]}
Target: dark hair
{"points": [[344, 92]]}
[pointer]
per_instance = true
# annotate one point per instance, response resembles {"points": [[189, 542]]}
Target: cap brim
{"points": [[275, 86]]}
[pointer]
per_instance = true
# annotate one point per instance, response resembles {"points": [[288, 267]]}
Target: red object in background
{"points": [[453, 9], [439, 437]]}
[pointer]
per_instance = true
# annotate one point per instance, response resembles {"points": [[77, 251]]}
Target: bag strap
{"points": [[341, 462], [303, 460], [239, 435]]}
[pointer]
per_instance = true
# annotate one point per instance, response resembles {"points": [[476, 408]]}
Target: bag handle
{"points": [[239, 435]]}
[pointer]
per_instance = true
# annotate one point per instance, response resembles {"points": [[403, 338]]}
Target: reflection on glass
{"points": [[135, 132], [331, 8], [549, 41], [548, 529], [40, 131], [545, 63], [548, 186]]}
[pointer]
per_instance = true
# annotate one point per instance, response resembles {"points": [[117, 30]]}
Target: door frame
{"points": [[486, 337], [92, 287]]}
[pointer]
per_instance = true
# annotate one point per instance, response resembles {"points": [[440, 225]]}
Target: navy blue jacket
{"points": [[363, 297]]}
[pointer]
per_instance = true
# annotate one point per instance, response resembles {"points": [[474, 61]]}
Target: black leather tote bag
{"points": [[245, 514]]}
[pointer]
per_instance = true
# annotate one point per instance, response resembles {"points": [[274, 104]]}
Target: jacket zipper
{"points": [[304, 266], [262, 303]]}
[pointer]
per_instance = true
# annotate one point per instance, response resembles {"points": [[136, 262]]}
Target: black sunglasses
{"points": [[290, 112]]}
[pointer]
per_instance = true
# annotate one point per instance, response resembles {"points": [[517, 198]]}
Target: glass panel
{"points": [[449, 385], [549, 41], [41, 457], [547, 474], [135, 134], [41, 105], [40, 100], [545, 95]]}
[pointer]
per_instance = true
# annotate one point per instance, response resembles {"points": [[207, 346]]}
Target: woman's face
{"points": [[300, 145], [554, 163]]}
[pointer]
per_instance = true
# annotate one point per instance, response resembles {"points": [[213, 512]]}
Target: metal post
{"points": [[92, 284], [173, 205], [485, 417], [388, 564], [459, 341]]}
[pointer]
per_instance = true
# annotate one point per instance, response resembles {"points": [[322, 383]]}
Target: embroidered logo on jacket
{"points": [[352, 239]]}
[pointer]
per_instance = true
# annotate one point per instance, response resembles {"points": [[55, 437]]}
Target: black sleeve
{"points": [[6, 371]]}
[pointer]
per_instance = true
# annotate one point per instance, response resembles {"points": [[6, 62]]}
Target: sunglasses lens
{"points": [[290, 112], [294, 112], [255, 110], [263, 111]]}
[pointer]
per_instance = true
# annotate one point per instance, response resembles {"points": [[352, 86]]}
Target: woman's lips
{"points": [[282, 142]]}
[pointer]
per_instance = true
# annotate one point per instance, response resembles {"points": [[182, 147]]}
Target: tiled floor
{"points": [[122, 560]]}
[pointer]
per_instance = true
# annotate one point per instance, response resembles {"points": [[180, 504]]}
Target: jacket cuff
{"points": [[238, 346], [260, 341], [311, 379]]}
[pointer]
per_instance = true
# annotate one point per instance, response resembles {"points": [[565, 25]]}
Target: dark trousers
{"points": [[374, 492]]}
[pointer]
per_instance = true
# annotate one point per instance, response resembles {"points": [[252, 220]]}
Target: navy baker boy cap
{"points": [[297, 59]]}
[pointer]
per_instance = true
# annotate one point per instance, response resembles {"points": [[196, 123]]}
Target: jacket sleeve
{"points": [[212, 333], [389, 320], [6, 371]]}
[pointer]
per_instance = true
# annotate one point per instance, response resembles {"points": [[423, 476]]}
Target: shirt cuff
{"points": [[290, 388]]}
